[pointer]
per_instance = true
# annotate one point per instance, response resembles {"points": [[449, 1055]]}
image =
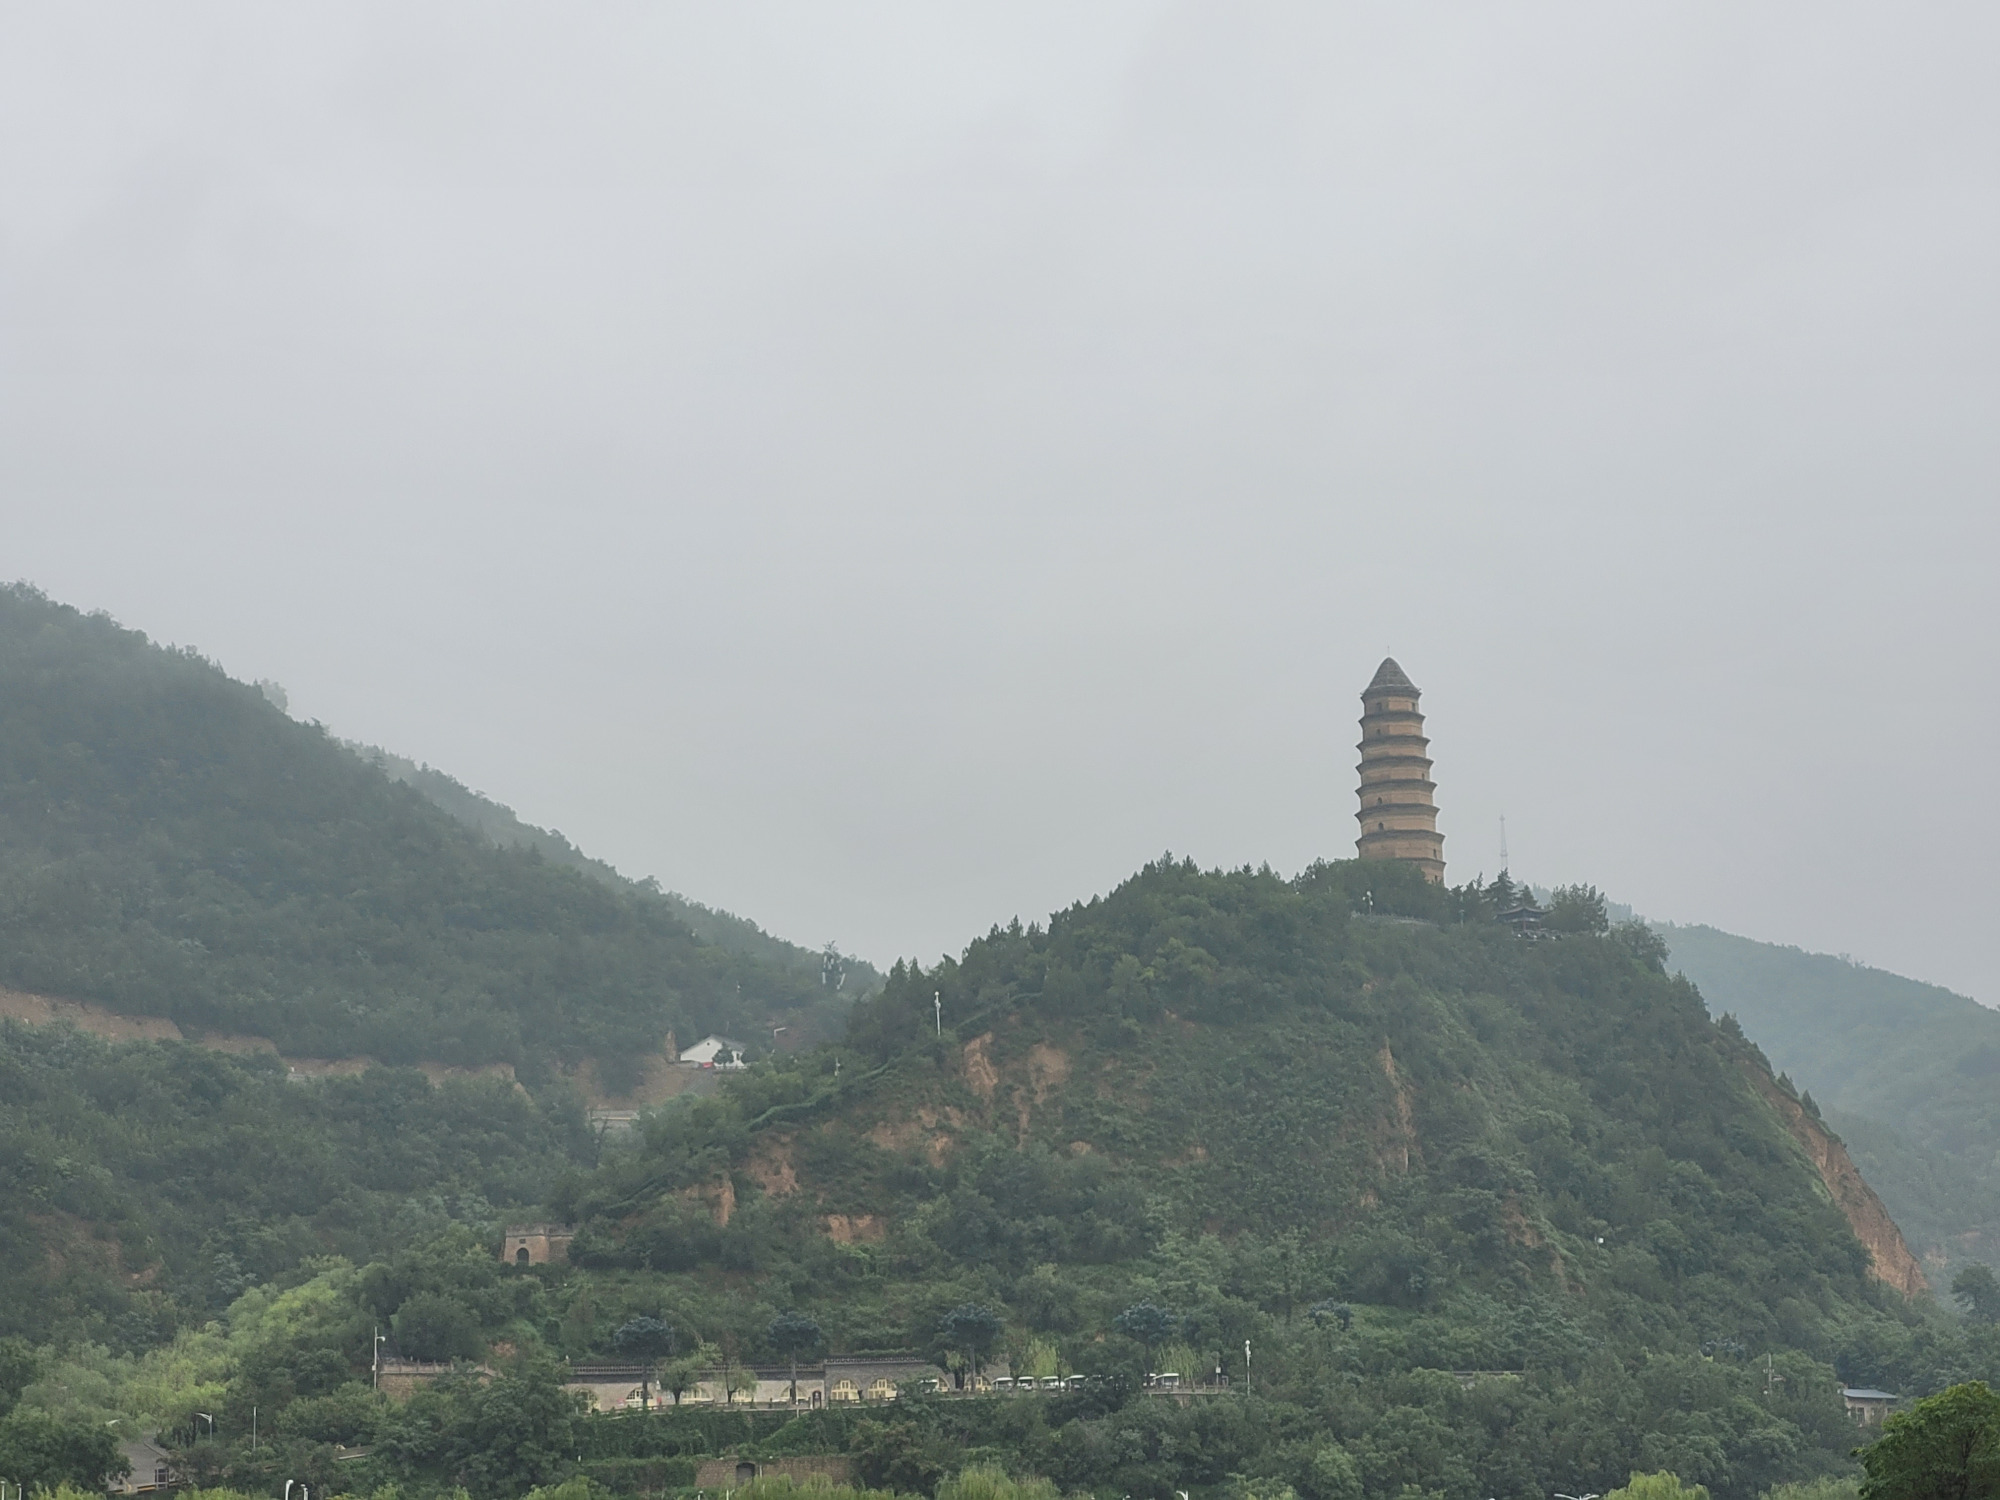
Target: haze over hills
{"points": [[173, 846], [501, 826], [1345, 1118], [1905, 1071]]}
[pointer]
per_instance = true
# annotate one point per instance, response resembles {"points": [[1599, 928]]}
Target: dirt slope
{"points": [[1891, 1259]]}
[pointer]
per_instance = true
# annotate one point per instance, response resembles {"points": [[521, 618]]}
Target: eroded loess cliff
{"points": [[1890, 1258]]}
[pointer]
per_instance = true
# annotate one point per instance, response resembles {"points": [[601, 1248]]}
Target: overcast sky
{"points": [[882, 469]]}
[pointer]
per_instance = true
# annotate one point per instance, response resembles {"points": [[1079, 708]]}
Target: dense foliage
{"points": [[1497, 1217], [171, 844], [1347, 1118], [1452, 1212], [150, 1184], [1946, 1447]]}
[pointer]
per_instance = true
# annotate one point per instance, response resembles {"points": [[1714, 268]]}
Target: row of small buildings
{"points": [[838, 1380]]}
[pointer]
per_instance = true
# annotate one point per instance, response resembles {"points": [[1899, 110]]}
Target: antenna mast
{"points": [[1503, 841]]}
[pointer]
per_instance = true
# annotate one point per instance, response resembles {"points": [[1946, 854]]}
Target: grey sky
{"points": [[887, 468]]}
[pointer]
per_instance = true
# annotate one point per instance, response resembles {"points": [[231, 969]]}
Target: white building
{"points": [[714, 1052]]}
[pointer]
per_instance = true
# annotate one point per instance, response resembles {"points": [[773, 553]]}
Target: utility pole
{"points": [[937, 1006]]}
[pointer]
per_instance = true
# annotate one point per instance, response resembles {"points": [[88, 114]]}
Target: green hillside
{"points": [[148, 1185], [1906, 1072], [1231, 1097], [1496, 1218], [171, 844]]}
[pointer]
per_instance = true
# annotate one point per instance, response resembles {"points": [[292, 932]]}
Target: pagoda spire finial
{"points": [[1398, 813]]}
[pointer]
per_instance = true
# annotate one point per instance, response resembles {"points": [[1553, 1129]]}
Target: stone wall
{"points": [[724, 1473]]}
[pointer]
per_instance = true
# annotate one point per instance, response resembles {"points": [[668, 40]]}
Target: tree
{"points": [[1977, 1290], [1644, 944], [1331, 1474], [791, 1333], [648, 1340], [1577, 908], [433, 1326], [679, 1376], [19, 1365], [896, 1456], [41, 1452], [1147, 1322], [972, 1328], [1340, 1314], [1946, 1447], [1660, 1486]]}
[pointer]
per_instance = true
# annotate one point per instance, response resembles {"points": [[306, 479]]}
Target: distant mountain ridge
{"points": [[173, 845], [1904, 1071], [503, 827]]}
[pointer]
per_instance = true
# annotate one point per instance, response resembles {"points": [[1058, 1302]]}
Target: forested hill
{"points": [[1368, 1145], [1905, 1070], [171, 844]]}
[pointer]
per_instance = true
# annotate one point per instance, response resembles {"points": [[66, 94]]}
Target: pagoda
{"points": [[1398, 818]]}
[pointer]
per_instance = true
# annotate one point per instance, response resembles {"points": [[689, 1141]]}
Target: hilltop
{"points": [[1235, 1098], [173, 846], [1904, 1070]]}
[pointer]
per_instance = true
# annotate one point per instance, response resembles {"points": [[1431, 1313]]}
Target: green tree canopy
{"points": [[433, 1325], [1946, 1447], [1149, 1323], [40, 1452], [1660, 1486], [1577, 908], [973, 1329], [648, 1340], [1976, 1290]]}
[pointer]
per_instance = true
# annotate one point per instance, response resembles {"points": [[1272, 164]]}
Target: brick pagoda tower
{"points": [[1398, 818]]}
